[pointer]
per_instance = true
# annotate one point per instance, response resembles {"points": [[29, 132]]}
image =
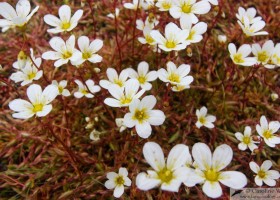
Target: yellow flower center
{"points": [[165, 175], [86, 55], [263, 56], [166, 5], [22, 56], [202, 120], [142, 79], [174, 78], [60, 89], [38, 107], [84, 91], [149, 39], [119, 180], [267, 134], [211, 175], [170, 44], [66, 54], [186, 8], [261, 174], [118, 82], [65, 25], [125, 100], [192, 33], [140, 115], [31, 76], [238, 58], [246, 140]]}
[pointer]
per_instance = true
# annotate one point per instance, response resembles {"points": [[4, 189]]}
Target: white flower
{"points": [[27, 74], [88, 51], [18, 17], [118, 181], [208, 171], [274, 96], [246, 140], [175, 38], [136, 3], [124, 96], [222, 38], [87, 90], [264, 53], [195, 32], [147, 39], [250, 13], [275, 58], [239, 57], [117, 12], [65, 22], [203, 119], [150, 22], [178, 77], [168, 175], [266, 131], [64, 51], [264, 174], [142, 116], [114, 78], [61, 87], [188, 8], [143, 75], [165, 5], [120, 124], [40, 102], [94, 135], [252, 29]]}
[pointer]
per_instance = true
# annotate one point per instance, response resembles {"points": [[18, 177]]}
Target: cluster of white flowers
{"points": [[268, 55], [266, 133]]}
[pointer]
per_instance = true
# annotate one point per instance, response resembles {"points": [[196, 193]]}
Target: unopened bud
{"points": [[222, 38], [96, 70], [274, 96]]}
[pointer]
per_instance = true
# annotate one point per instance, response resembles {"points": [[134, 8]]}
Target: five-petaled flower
{"points": [[18, 17], [208, 170], [142, 116], [246, 140], [39, 104], [118, 181], [168, 175], [65, 22], [177, 77], [203, 119], [266, 131], [264, 174]]}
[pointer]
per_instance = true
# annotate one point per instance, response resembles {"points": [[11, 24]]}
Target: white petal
{"points": [[51, 20], [34, 93], [212, 189], [50, 93], [178, 156], [201, 7], [222, 156], [232, 49], [112, 102], [23, 8], [76, 17], [266, 165], [157, 36], [233, 179], [144, 182], [58, 44], [156, 117], [83, 43], [64, 13], [254, 167], [19, 105], [128, 121], [245, 50], [96, 45], [154, 156], [110, 184], [23, 115], [202, 155], [119, 189], [51, 55], [60, 62], [7, 11], [144, 129], [172, 186], [269, 182], [239, 136], [193, 178], [148, 102]]}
